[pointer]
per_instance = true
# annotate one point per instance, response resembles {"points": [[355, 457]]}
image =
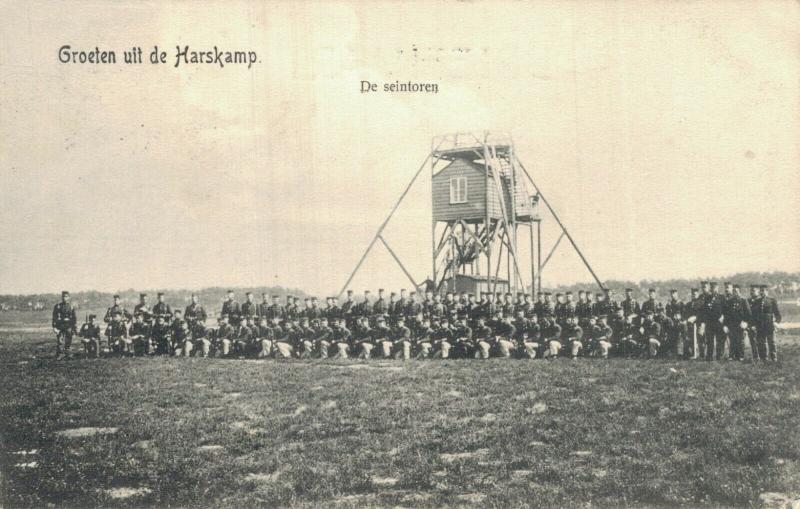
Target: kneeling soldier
{"points": [[182, 339], [117, 335], [140, 335], [602, 334], [265, 335], [504, 337], [283, 339], [322, 337], [573, 336], [650, 331], [340, 339], [200, 339], [383, 337], [363, 338], [90, 336], [223, 336], [401, 337]]}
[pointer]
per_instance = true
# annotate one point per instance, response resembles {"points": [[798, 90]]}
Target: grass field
{"points": [[500, 433]]}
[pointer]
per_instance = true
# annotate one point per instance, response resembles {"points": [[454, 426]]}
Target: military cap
{"points": [[380, 289], [559, 294], [738, 287], [366, 291], [116, 296], [601, 317], [116, 312], [673, 290], [306, 299], [92, 317], [276, 297], [393, 293], [651, 290], [714, 283], [224, 315], [628, 289], [598, 294], [313, 299], [753, 286], [142, 295], [160, 294], [764, 287], [704, 282], [695, 289], [547, 293], [248, 293], [400, 319], [349, 292], [568, 293], [64, 292], [582, 291]]}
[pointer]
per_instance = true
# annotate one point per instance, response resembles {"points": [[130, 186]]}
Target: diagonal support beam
{"points": [[563, 228], [383, 225], [552, 251], [391, 252]]}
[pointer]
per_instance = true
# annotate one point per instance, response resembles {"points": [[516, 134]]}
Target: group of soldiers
{"points": [[404, 326]]}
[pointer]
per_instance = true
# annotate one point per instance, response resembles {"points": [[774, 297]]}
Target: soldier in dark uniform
{"points": [[232, 310], [414, 307], [602, 337], [737, 315], [382, 335], [381, 307], [401, 339], [140, 334], [90, 336], [558, 309], [244, 337], [712, 321], [362, 336], [650, 305], [223, 336], [262, 307], [162, 308], [650, 334], [509, 308], [323, 335], [249, 309], [162, 336], [176, 333], [195, 315], [582, 310], [630, 306], [315, 313], [767, 316], [117, 307], [694, 314], [572, 336], [341, 339], [65, 324], [143, 309], [754, 301], [538, 306], [674, 306], [117, 334], [275, 310]]}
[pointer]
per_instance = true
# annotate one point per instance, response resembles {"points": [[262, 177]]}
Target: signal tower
{"points": [[483, 201]]}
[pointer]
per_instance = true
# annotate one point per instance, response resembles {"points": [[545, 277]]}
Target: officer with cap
{"points": [[65, 323], [713, 319], [249, 309], [754, 301], [629, 305], [195, 315], [737, 317], [141, 333]]}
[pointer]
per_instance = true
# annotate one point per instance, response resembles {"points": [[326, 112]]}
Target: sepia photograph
{"points": [[427, 254]]}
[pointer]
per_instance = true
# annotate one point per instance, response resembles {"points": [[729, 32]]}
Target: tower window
{"points": [[458, 190]]}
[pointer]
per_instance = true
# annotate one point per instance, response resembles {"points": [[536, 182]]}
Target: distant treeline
{"points": [[210, 297], [783, 284]]}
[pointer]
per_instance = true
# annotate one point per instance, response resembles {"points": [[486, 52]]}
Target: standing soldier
{"points": [[712, 321], [143, 309], [414, 307], [90, 335], [194, 314], [630, 307], [650, 305], [582, 310], [162, 308], [276, 310], [249, 309], [767, 316], [262, 307], [694, 312], [754, 301], [116, 307], [232, 310], [381, 307], [737, 316], [65, 323]]}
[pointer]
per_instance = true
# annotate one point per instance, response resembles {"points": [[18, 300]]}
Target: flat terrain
{"points": [[499, 433]]}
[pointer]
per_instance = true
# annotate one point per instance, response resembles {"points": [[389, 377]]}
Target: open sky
{"points": [[666, 134]]}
